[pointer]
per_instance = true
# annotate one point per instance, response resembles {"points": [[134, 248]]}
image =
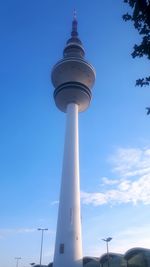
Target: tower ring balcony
{"points": [[72, 92]]}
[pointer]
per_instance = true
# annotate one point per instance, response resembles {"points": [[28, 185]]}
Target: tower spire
{"points": [[74, 47], [74, 32]]}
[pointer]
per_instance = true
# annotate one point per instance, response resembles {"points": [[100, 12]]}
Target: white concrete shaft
{"points": [[68, 246]]}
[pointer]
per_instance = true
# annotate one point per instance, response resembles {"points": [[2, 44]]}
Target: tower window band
{"points": [[61, 248]]}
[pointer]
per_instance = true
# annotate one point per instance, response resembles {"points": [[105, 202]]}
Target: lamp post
{"points": [[42, 229], [107, 240], [17, 261]]}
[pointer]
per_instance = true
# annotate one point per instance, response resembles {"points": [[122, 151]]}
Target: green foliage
{"points": [[140, 16]]}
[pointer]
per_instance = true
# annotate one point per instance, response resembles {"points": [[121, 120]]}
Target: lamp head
{"points": [[108, 239]]}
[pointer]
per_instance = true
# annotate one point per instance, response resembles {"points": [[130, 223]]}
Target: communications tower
{"points": [[73, 78]]}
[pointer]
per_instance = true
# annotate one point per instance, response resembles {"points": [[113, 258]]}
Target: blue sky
{"points": [[114, 131]]}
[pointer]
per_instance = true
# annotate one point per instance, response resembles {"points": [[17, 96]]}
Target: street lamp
{"points": [[17, 261], [108, 239], [41, 229]]}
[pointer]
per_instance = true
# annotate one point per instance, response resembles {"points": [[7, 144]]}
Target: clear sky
{"points": [[114, 131]]}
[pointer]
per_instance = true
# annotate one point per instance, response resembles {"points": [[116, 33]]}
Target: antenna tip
{"points": [[74, 14]]}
